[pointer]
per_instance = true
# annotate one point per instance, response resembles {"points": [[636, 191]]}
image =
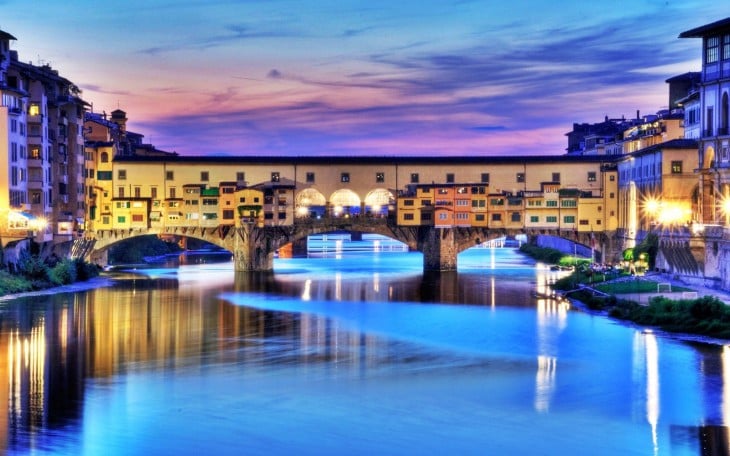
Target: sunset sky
{"points": [[283, 77]]}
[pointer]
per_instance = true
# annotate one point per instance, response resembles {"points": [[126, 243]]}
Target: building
{"points": [[714, 106], [41, 144]]}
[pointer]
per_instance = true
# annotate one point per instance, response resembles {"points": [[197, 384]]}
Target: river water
{"points": [[349, 352]]}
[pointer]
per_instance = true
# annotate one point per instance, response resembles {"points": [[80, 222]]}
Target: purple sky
{"points": [[283, 77]]}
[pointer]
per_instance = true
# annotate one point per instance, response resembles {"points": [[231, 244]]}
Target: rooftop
{"points": [[708, 29]]}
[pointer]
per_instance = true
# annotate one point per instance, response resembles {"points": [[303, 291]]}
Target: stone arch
{"points": [[379, 201], [708, 157], [345, 202], [310, 203]]}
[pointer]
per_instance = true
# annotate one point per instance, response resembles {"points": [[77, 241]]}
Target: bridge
{"points": [[254, 246]]}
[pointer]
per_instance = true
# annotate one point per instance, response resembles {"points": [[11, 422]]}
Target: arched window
{"points": [[310, 203], [104, 157], [378, 200], [345, 202]]}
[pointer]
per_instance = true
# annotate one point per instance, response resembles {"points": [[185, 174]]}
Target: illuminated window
{"points": [[677, 167], [520, 177], [345, 177], [591, 176], [34, 109], [275, 177]]}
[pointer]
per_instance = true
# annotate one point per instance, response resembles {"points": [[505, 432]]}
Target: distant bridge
{"points": [[253, 247]]}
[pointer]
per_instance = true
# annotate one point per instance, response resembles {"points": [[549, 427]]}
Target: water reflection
{"points": [[462, 362]]}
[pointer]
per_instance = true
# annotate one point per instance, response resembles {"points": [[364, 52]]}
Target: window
{"points": [[551, 203], [310, 178], [534, 219], [611, 195], [568, 203], [676, 167], [591, 176], [583, 222], [425, 217], [282, 215], [240, 176], [172, 192], [35, 152], [408, 216], [712, 53], [379, 178], [485, 178], [122, 174], [449, 178], [611, 178], [153, 192], [569, 219], [345, 177], [520, 177], [551, 219], [556, 177], [121, 219], [516, 217], [496, 217], [204, 176], [479, 217], [275, 177], [408, 202], [137, 192], [104, 175], [104, 157], [414, 178], [137, 218], [443, 216], [228, 214], [121, 192], [169, 175]]}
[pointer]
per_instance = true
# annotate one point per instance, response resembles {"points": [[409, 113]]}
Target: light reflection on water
{"points": [[356, 353]]}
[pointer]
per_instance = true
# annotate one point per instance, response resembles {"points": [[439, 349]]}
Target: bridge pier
{"points": [[252, 250], [439, 249]]}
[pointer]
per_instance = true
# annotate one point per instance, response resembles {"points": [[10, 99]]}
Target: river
{"points": [[352, 352]]}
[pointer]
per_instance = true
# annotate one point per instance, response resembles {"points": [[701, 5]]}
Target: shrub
{"points": [[32, 266], [84, 270], [63, 273]]}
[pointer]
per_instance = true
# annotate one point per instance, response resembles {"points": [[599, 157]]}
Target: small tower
{"points": [[119, 117]]}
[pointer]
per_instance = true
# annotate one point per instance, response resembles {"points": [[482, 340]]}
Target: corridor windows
{"points": [[379, 178], [676, 167], [414, 178], [275, 176], [345, 177], [712, 53], [556, 178], [240, 177], [520, 177], [204, 176], [310, 178], [169, 175], [485, 178], [449, 178], [591, 176]]}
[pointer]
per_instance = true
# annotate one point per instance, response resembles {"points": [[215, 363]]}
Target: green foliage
{"points": [[32, 266], [545, 254], [650, 246], [134, 250], [84, 270], [63, 273], [706, 315], [11, 283]]}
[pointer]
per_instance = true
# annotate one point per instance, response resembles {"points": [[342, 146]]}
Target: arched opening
{"points": [[378, 202], [104, 158], [310, 203], [345, 203]]}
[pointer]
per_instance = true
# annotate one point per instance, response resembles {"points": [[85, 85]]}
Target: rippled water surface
{"points": [[349, 352]]}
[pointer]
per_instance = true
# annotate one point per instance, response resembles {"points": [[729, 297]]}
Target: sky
{"points": [[363, 78]]}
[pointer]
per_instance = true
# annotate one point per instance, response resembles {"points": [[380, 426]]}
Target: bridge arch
{"points": [[310, 202], [378, 201], [345, 202]]}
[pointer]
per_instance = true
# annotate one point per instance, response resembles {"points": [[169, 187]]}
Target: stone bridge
{"points": [[253, 247]]}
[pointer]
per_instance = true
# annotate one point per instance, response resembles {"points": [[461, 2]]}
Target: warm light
{"points": [[302, 211], [652, 205]]}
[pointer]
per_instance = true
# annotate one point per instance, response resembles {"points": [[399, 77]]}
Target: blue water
{"points": [[350, 352]]}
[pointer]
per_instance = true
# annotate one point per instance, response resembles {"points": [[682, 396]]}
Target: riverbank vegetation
{"points": [[134, 251], [705, 316], [33, 273]]}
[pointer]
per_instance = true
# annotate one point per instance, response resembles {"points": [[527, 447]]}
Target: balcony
{"points": [[35, 184]]}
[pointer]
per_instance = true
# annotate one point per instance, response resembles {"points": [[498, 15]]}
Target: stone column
{"points": [[252, 250], [439, 249]]}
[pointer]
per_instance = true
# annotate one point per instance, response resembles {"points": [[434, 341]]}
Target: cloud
{"points": [[273, 74]]}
